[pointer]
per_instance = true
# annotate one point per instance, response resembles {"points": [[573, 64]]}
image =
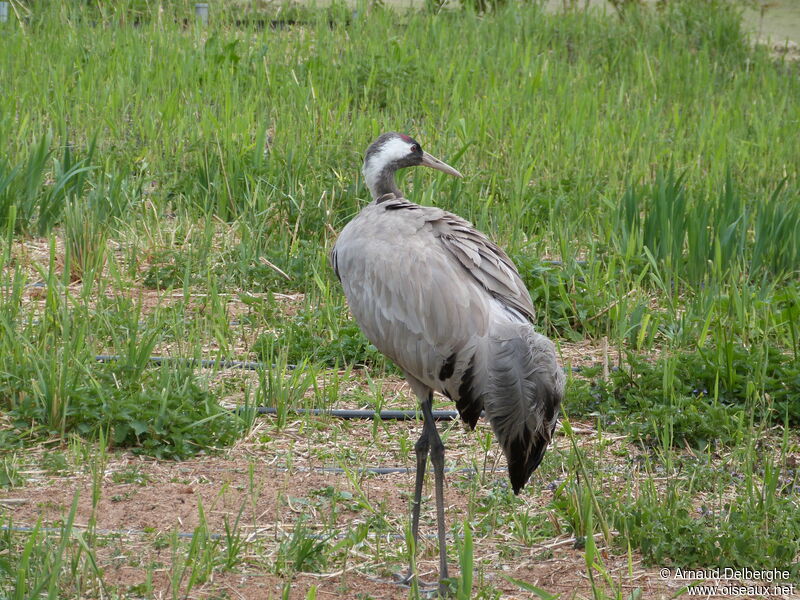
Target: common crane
{"points": [[448, 306]]}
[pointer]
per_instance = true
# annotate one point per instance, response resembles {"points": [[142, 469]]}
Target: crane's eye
{"points": [[415, 148]]}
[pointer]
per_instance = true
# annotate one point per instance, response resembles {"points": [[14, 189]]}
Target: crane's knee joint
{"points": [[437, 451]]}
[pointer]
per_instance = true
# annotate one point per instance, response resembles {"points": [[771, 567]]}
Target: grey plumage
{"points": [[448, 306]]}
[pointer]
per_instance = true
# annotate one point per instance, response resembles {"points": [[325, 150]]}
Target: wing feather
{"points": [[486, 262], [407, 292]]}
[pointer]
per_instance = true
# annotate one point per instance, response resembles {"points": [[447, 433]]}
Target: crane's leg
{"points": [[430, 442], [421, 448], [437, 460]]}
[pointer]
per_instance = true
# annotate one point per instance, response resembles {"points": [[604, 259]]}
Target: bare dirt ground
{"points": [[273, 480]]}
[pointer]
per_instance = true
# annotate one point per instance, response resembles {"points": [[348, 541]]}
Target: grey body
{"points": [[450, 309]]}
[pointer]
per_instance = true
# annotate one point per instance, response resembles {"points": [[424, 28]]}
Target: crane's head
{"points": [[393, 151]]}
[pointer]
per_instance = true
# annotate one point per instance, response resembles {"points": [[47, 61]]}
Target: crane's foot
{"points": [[428, 589], [408, 579]]}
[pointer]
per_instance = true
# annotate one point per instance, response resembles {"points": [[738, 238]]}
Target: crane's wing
{"points": [[409, 295], [484, 260], [420, 281]]}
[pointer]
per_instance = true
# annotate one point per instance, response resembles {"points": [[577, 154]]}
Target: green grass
{"points": [[176, 189]]}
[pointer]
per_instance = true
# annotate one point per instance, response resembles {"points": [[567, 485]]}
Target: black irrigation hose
{"points": [[549, 263], [379, 470], [205, 363], [182, 534], [346, 413], [339, 413], [104, 532], [194, 362]]}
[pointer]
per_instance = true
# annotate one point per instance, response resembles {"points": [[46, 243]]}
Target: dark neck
{"points": [[384, 183]]}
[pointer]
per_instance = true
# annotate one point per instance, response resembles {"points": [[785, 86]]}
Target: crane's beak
{"points": [[435, 163]]}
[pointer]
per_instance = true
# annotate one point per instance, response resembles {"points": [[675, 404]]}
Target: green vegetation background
{"points": [[653, 153]]}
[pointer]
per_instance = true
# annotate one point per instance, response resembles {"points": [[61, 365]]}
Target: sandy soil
{"points": [[274, 481]]}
